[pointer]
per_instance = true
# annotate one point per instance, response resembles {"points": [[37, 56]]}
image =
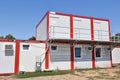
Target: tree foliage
{"points": [[32, 38], [9, 37], [1, 37]]}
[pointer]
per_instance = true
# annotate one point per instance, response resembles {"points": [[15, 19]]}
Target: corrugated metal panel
{"points": [[59, 26], [7, 58], [60, 58], [116, 56], [101, 31], [81, 28], [42, 30], [104, 60], [28, 58], [85, 61]]}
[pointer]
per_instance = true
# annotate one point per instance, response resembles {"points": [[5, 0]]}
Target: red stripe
{"points": [[117, 47], [93, 58], [34, 41], [17, 54], [6, 74], [103, 19], [40, 23], [109, 30], [72, 56], [71, 26], [48, 19], [111, 58], [47, 50], [46, 57], [92, 29], [64, 14], [42, 19], [88, 17]]}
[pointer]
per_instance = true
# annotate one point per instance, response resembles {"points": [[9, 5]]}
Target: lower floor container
{"points": [[28, 56]]}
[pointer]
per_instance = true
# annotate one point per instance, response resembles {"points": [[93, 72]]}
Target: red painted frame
{"points": [[72, 36]]}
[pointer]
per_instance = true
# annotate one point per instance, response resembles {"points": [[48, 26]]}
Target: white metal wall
{"points": [[28, 58], [101, 30], [116, 55], [81, 28], [104, 60], [7, 60], [59, 26], [42, 30], [85, 61], [60, 59]]}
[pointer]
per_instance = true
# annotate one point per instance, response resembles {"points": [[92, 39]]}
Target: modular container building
{"points": [[116, 55], [8, 58], [74, 42], [21, 56], [64, 42]]}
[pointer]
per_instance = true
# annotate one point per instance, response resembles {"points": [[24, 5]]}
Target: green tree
{"points": [[32, 38], [1, 37], [10, 37]]}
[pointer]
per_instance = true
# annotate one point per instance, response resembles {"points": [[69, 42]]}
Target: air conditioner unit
{"points": [[109, 48], [89, 48], [106, 49]]}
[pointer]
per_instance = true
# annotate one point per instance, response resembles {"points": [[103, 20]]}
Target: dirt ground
{"points": [[96, 74]]}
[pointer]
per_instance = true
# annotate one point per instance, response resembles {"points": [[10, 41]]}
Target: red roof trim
{"points": [[42, 19], [32, 41], [88, 17], [117, 47], [64, 14]]}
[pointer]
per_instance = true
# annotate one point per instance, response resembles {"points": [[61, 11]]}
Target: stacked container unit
{"points": [[21, 56], [32, 55], [8, 56], [84, 45], [116, 55]]}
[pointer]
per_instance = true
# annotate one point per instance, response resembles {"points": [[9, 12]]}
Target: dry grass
{"points": [[84, 74]]}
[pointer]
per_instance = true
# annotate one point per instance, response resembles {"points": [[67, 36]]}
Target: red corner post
{"points": [[72, 56], [92, 38], [17, 56], [110, 58], [71, 26], [47, 58], [92, 29], [46, 44], [93, 57]]}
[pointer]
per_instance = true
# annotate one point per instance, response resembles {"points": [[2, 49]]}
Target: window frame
{"points": [[25, 45], [9, 52], [8, 45], [79, 53], [100, 55], [54, 50]]}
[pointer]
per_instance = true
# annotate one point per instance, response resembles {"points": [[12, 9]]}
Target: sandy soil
{"points": [[97, 74]]}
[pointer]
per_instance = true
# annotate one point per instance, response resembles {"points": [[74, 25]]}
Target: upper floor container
{"points": [[55, 25]]}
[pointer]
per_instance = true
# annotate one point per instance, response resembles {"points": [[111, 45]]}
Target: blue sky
{"points": [[20, 17]]}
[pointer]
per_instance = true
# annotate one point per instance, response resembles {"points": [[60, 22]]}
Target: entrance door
{"points": [[7, 59], [77, 57], [98, 51]]}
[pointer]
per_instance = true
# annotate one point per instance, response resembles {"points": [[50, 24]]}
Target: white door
{"points": [[77, 57], [7, 59], [98, 56]]}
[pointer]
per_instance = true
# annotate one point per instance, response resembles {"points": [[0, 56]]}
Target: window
{"points": [[77, 52], [26, 47], [8, 47], [98, 52], [53, 48], [9, 50]]}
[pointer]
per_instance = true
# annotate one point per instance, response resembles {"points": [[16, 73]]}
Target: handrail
{"points": [[80, 33]]}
